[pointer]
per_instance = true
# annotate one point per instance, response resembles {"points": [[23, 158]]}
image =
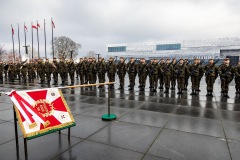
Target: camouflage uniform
{"points": [[142, 75], [71, 71], [160, 74], [48, 68], [226, 73], [62, 69], [150, 76], [201, 74], [55, 71], [173, 77], [95, 74], [111, 71], [86, 73], [154, 71], [194, 71], [24, 72], [101, 71], [211, 73], [237, 78], [18, 70], [1, 71], [121, 71], [167, 71], [11, 71], [81, 70], [187, 75], [91, 71], [181, 71], [31, 71], [132, 72], [40, 71]]}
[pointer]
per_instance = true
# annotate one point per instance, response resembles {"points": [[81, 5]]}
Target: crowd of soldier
{"points": [[166, 72]]}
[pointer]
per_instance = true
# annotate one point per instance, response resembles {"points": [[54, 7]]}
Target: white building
{"points": [[204, 49]]}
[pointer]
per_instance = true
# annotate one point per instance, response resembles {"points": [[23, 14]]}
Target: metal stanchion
{"points": [[109, 116]]}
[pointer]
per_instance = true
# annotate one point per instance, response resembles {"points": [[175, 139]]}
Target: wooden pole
{"points": [[87, 85], [66, 87]]}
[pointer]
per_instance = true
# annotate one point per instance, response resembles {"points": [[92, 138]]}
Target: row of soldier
{"points": [[168, 73]]}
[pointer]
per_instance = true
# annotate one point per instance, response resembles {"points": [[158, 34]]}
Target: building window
{"points": [[161, 47], [117, 49]]}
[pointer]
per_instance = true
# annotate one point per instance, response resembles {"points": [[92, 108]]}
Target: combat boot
{"points": [[55, 83], [208, 93], [193, 93], [226, 95], [63, 83], [167, 90], [179, 91], [237, 91]]}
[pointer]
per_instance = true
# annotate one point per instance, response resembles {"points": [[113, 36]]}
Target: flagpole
{"points": [[52, 38], [25, 38], [45, 40], [13, 44], [32, 39], [38, 41], [19, 45]]}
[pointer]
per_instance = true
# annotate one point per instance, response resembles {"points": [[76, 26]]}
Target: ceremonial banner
{"points": [[40, 112]]}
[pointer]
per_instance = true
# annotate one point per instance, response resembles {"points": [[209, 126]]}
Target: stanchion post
{"points": [[109, 116]]}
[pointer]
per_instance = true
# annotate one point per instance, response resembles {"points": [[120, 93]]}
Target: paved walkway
{"points": [[150, 126]]}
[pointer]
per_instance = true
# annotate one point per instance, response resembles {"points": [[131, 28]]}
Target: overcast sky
{"points": [[95, 23]]}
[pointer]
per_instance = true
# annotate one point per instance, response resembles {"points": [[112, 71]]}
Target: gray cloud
{"points": [[96, 23]]}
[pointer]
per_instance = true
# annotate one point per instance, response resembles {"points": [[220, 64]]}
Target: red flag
{"points": [[53, 24], [34, 27], [25, 27], [12, 31]]}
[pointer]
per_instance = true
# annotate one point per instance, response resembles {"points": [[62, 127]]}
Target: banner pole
{"points": [[16, 131], [25, 148]]}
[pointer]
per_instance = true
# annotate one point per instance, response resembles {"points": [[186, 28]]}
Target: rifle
{"points": [[215, 62], [202, 61], [176, 63], [210, 71]]}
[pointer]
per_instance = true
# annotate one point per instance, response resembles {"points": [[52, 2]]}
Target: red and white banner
{"points": [[41, 111]]}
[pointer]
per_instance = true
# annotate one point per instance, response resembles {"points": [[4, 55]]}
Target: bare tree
{"points": [[10, 56], [91, 54], [3, 53], [63, 46]]}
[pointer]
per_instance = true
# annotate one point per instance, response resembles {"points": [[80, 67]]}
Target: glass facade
{"points": [[162, 47], [117, 49]]}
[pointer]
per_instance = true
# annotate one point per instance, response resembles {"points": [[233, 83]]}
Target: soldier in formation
{"points": [[71, 71], [101, 71], [168, 73], [132, 72], [55, 71], [1, 72], [211, 73], [81, 69], [111, 71], [226, 73], [237, 78], [142, 73], [121, 72]]}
